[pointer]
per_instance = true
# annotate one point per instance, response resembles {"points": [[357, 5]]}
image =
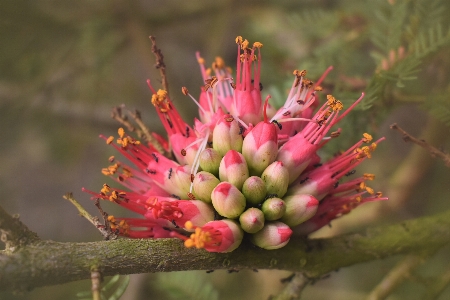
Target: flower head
{"points": [[244, 166]]}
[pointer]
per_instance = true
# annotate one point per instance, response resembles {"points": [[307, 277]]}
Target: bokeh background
{"points": [[65, 64]]}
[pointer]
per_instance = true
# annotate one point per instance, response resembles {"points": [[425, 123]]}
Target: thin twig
{"points": [[104, 229], [160, 64], [433, 151], [117, 115], [96, 279], [395, 277], [147, 134], [296, 283]]}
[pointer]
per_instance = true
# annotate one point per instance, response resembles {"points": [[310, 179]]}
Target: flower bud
{"points": [[227, 135], [276, 178], [274, 235], [233, 168], [252, 220], [299, 208], [210, 161], [227, 200], [196, 211], [260, 147], [215, 236], [273, 209], [254, 190], [204, 183]]}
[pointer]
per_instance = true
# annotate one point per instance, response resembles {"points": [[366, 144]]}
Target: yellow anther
{"points": [[111, 218], [110, 140], [257, 45], [184, 90], [378, 194], [218, 63], [121, 132], [362, 185], [127, 172], [105, 189], [244, 44], [369, 176], [238, 40], [367, 138], [337, 106], [188, 225], [318, 88], [208, 72], [106, 172], [370, 190], [201, 60], [373, 146], [111, 158]]}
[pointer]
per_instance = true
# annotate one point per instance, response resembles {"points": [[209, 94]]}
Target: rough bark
{"points": [[47, 262]]}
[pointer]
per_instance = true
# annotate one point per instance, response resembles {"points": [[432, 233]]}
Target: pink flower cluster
{"points": [[244, 169]]}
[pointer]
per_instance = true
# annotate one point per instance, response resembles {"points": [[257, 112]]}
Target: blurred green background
{"points": [[65, 64]]}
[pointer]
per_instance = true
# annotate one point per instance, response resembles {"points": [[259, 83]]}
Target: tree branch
{"points": [[14, 233], [48, 263]]}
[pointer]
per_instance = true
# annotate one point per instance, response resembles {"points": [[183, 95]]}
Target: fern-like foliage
{"points": [[439, 107]]}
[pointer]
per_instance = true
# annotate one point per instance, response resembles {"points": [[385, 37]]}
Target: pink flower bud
{"points": [[274, 235], [227, 135], [299, 208], [203, 184], [254, 190], [252, 220], [233, 168], [210, 161], [260, 147], [273, 209], [216, 236], [276, 178], [228, 200]]}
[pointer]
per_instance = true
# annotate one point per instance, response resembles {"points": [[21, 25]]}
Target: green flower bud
{"points": [[210, 161], [227, 200], [254, 190], [203, 184], [227, 135], [252, 220], [276, 177], [274, 235], [273, 209], [233, 168], [299, 208]]}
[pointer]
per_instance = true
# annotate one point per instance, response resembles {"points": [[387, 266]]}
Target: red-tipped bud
{"points": [[254, 190], [210, 161], [227, 135], [252, 220], [273, 209], [215, 236], [299, 208], [204, 183], [233, 168], [228, 200], [260, 147], [274, 235], [276, 178]]}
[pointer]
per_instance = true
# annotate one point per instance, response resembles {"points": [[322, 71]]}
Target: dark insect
{"points": [[170, 173], [241, 130], [317, 165], [175, 224], [271, 196], [260, 85], [304, 180], [278, 124], [155, 157], [209, 271], [350, 173], [175, 196], [336, 184], [187, 131], [150, 171]]}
